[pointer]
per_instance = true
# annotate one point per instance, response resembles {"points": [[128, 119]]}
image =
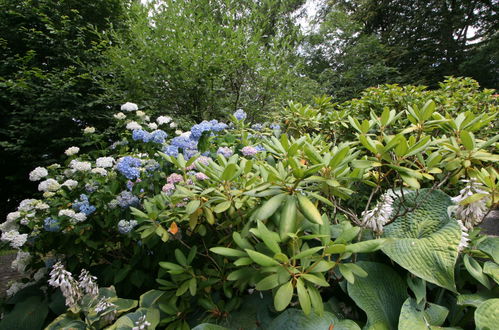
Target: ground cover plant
{"points": [[353, 215]]}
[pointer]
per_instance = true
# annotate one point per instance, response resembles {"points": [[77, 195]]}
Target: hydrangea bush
{"points": [[265, 225]]}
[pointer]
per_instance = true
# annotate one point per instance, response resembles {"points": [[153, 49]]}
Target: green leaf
{"points": [[192, 206], [380, 298], [67, 321], [486, 315], [229, 172], [303, 297], [228, 252], [209, 326], [425, 241], [492, 269], [30, 314], [475, 270], [179, 255], [347, 273], [172, 268], [414, 316], [268, 238], [365, 246], [261, 258], [309, 210], [270, 206], [287, 221], [418, 287], [222, 207], [268, 283], [307, 252], [150, 298], [315, 279], [295, 319], [468, 140], [283, 296]]}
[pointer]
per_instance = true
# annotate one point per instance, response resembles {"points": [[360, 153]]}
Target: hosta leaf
{"points": [[486, 315], [414, 316], [380, 298], [425, 240], [294, 319]]}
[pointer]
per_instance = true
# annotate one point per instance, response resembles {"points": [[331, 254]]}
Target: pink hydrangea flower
{"points": [[201, 176], [174, 178]]}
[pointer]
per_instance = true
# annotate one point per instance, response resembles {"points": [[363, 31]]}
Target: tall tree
{"points": [[46, 93]]}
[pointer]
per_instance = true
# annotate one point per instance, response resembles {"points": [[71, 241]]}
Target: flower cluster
{"points": [[225, 151], [83, 205], [38, 173], [240, 114], [124, 226], [129, 167], [471, 213], [379, 216]]}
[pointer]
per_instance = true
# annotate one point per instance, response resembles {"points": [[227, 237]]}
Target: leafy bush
{"points": [[203, 220]]}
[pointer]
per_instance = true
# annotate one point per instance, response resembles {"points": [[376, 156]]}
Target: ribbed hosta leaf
{"points": [[425, 239], [294, 319], [486, 315], [380, 294], [414, 316]]}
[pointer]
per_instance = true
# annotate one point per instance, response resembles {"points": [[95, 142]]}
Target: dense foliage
{"points": [[278, 225]]}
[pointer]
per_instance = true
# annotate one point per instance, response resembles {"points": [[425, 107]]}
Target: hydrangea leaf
{"points": [[425, 239], [379, 298]]}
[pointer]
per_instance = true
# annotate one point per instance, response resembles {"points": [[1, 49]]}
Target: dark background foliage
{"points": [[68, 64]]}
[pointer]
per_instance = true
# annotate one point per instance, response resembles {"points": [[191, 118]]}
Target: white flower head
{"points": [[87, 283], [140, 114], [79, 166], [49, 185], [471, 214], [72, 151], [61, 278], [104, 162], [15, 239], [119, 116], [71, 184], [129, 107], [133, 125], [21, 262], [89, 130], [152, 126], [173, 125], [100, 171], [376, 218], [163, 120], [141, 323], [38, 173], [178, 132]]}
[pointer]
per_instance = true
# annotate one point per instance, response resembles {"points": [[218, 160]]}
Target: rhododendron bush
{"points": [[265, 225]]}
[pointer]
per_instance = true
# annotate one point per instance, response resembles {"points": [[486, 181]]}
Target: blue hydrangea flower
{"points": [[139, 134], [225, 151], [128, 166], [158, 136], [83, 205], [260, 148], [50, 224], [198, 129], [257, 127], [171, 150], [124, 227], [240, 114], [275, 127], [126, 199], [184, 142]]}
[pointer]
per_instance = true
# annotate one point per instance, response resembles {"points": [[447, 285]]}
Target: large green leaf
{"points": [[208, 326], [425, 239], [486, 315], [28, 314], [254, 313], [294, 319], [67, 321], [414, 316], [380, 294]]}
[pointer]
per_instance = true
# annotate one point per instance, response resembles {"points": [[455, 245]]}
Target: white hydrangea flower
{"points": [[38, 173], [132, 125], [48, 194], [80, 217], [89, 130], [15, 239], [77, 165], [49, 185], [178, 132], [72, 151], [27, 204], [173, 125], [163, 120], [129, 107], [140, 114], [119, 116], [67, 212], [104, 162], [15, 288], [100, 171], [376, 218], [21, 261], [146, 118], [471, 214], [152, 126], [71, 184], [13, 216]]}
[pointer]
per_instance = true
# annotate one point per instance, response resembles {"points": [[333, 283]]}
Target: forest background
{"points": [[67, 64]]}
